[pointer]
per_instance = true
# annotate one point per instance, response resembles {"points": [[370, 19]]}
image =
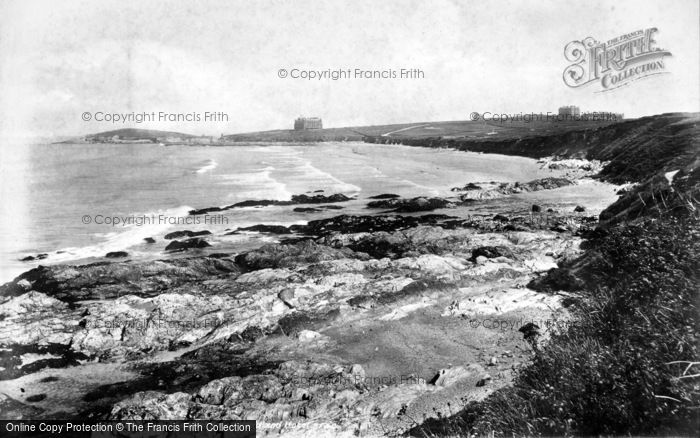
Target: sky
{"points": [[59, 60]]}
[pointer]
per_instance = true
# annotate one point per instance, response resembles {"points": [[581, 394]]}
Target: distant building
{"points": [[569, 111], [202, 139], [304, 123], [171, 139]]}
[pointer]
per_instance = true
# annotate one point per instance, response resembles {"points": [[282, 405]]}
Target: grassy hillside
{"points": [[138, 134], [465, 130]]}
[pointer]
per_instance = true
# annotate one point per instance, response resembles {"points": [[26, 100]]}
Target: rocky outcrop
{"points": [[289, 256], [357, 224], [32, 258], [317, 209], [310, 396], [385, 196], [112, 280], [195, 243], [204, 337], [295, 200], [411, 205], [185, 233], [274, 229], [491, 190]]}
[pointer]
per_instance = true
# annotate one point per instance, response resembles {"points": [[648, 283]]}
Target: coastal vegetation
{"points": [[628, 362]]}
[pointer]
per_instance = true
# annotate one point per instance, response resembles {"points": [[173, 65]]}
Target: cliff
{"points": [[645, 151]]}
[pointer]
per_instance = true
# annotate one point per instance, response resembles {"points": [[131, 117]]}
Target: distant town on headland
{"points": [[310, 129]]}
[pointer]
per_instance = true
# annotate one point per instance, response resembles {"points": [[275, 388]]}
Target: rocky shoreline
{"points": [[307, 334], [349, 325]]}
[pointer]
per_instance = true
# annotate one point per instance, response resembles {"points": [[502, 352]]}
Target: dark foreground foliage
{"points": [[628, 365]]}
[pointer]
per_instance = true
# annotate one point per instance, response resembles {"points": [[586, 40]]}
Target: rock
{"points": [[24, 284], [491, 252], [319, 199], [385, 196], [185, 233], [149, 240], [531, 332], [555, 280], [308, 336], [579, 209], [289, 255], [318, 209], [27, 259], [493, 361], [36, 398], [515, 227], [287, 296], [296, 199], [49, 355], [500, 218], [411, 205], [15, 410], [98, 281], [196, 243], [494, 190], [274, 229], [116, 254], [409, 243], [536, 208], [294, 391], [252, 334], [448, 377], [469, 186], [483, 381], [294, 323], [152, 405], [347, 224]]}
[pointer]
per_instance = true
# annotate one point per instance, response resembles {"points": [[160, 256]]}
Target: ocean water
{"points": [[49, 189]]}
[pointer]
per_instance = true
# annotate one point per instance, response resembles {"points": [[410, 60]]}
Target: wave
{"points": [[148, 224], [336, 185], [257, 184], [208, 165], [424, 189]]}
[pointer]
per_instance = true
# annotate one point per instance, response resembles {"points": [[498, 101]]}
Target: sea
{"points": [[61, 200]]}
